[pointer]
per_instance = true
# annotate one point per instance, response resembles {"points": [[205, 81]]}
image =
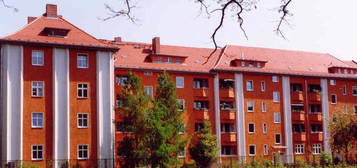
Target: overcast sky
{"points": [[326, 26]]}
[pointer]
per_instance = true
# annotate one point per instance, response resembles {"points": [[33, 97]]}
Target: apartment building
{"points": [[56, 89], [260, 101], [59, 95]]}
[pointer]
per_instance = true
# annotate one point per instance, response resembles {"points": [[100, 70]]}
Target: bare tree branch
{"points": [[203, 5], [9, 6], [283, 9], [126, 12]]}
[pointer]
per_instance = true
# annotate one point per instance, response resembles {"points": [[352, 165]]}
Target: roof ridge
{"points": [[287, 50]]}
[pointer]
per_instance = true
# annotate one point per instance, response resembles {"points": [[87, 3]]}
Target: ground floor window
{"points": [[316, 149], [82, 151], [37, 152]]}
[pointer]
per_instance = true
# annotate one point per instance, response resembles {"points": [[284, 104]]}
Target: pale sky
{"points": [[325, 26]]}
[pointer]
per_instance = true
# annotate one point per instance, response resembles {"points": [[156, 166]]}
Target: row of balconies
{"points": [[300, 116], [301, 137], [299, 97], [224, 93]]}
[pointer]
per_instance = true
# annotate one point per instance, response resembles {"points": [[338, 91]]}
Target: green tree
{"points": [[165, 123], [343, 132], [136, 106], [204, 150]]}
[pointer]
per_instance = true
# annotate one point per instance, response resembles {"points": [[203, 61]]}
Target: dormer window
{"points": [[251, 65], [54, 32], [243, 64], [248, 63], [258, 65], [169, 60]]}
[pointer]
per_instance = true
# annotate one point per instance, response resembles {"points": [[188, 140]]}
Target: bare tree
{"points": [[3, 3], [222, 8]]}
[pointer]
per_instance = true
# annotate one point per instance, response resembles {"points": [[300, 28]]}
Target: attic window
{"points": [[54, 32]]}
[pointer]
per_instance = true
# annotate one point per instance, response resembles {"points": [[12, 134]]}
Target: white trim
{"points": [[240, 119], [82, 127], [251, 123], [86, 158], [287, 119], [217, 114], [32, 126], [43, 152], [325, 114], [335, 98], [255, 150]]}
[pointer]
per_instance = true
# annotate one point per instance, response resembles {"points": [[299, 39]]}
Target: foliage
{"points": [[28, 166], [204, 150], [325, 159], [136, 107]]}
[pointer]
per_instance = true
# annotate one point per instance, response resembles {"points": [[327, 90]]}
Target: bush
{"points": [[325, 159]]}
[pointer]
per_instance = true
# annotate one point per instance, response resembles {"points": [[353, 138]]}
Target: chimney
{"points": [[117, 39], [156, 45], [51, 10], [30, 19]]}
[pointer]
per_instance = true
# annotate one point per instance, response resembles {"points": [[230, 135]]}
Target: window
{"points": [[120, 127], [251, 65], [251, 150], [180, 82], [37, 120], [159, 59], [332, 82], [227, 150], [82, 120], [226, 105], [178, 61], [296, 87], [250, 85], [37, 152], [298, 128], [198, 127], [315, 88], [182, 153], [82, 61], [119, 101], [148, 91], [297, 108], [200, 105], [82, 151], [200, 83], [147, 73], [227, 128], [181, 104], [266, 149], [344, 90], [265, 128], [278, 138], [276, 117], [316, 128], [355, 109], [259, 65], [262, 86], [37, 89], [251, 128], [264, 107], [315, 108], [275, 79], [276, 97], [121, 80], [37, 58], [82, 90], [333, 99], [226, 83], [243, 63], [299, 149], [250, 106], [168, 60], [316, 149], [354, 90]]}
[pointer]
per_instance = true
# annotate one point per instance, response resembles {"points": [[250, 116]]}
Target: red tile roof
{"points": [[75, 37]]}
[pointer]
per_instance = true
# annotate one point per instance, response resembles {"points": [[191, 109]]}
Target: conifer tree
{"points": [[203, 150]]}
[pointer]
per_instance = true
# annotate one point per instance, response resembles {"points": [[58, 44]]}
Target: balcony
{"points": [[226, 93], [229, 137], [315, 96], [315, 116], [200, 92], [297, 96], [228, 115], [201, 114], [299, 137], [298, 116], [317, 137]]}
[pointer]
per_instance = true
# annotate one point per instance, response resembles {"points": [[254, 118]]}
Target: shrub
{"points": [[325, 159]]}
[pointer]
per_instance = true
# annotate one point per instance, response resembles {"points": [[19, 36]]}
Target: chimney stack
{"points": [[51, 10], [156, 45], [30, 19], [117, 39]]}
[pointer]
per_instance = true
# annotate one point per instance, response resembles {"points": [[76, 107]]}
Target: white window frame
{"points": [[299, 149], [253, 128], [276, 97], [265, 128], [82, 89], [255, 150], [277, 117], [250, 103], [275, 79], [32, 120], [354, 88], [332, 82], [262, 86], [276, 139], [264, 107], [80, 61], [38, 88], [37, 150], [266, 149], [316, 149], [82, 150], [78, 118], [183, 104], [335, 98], [252, 85], [180, 82], [151, 88], [37, 60]]}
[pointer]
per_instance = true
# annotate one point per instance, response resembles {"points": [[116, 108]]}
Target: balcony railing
{"points": [[229, 137], [201, 92], [299, 136], [315, 116], [226, 93], [228, 115], [298, 116], [317, 136], [297, 96], [202, 114], [315, 96]]}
